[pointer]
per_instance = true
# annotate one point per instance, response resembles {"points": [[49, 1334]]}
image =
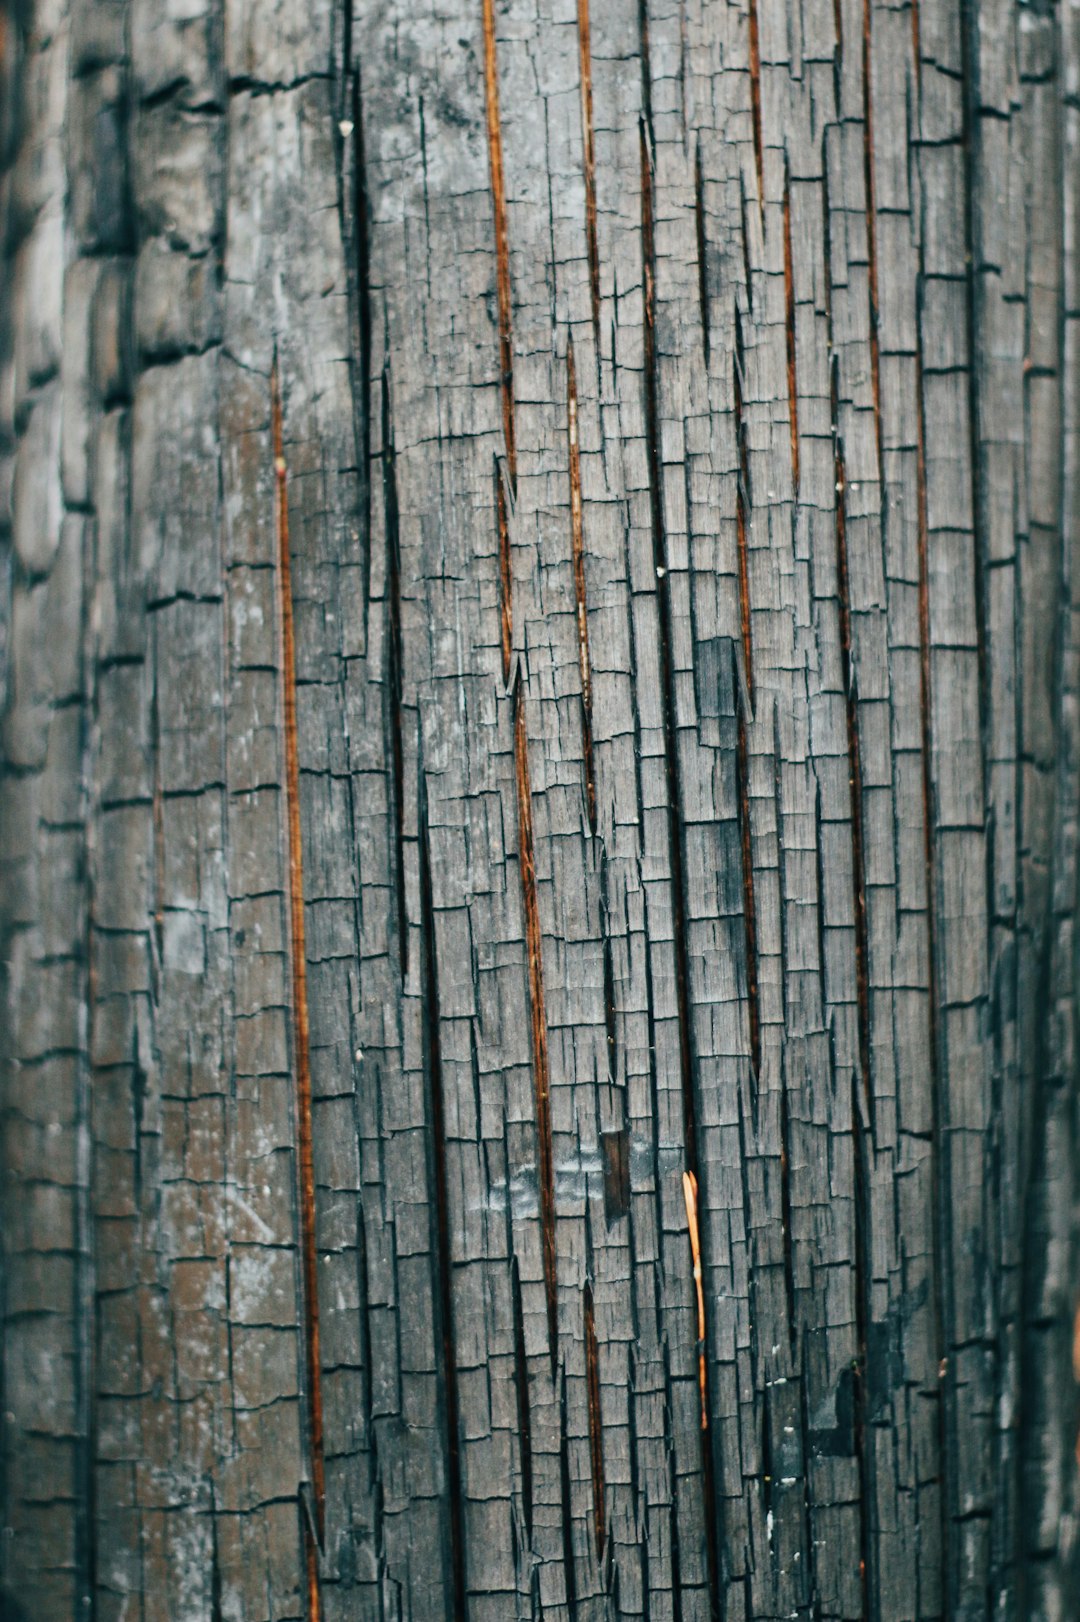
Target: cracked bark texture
{"points": [[540, 660]]}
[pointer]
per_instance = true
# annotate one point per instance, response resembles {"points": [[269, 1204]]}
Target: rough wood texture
{"points": [[540, 655]]}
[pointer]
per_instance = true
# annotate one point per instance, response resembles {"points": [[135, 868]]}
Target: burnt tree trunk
{"points": [[541, 773]]}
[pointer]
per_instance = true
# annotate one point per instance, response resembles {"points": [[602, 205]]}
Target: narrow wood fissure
{"points": [[851, 705], [566, 1501], [394, 667], [668, 712], [702, 262], [755, 100], [362, 258], [298, 971], [521, 1386], [577, 546], [596, 1433], [506, 588], [534, 948], [589, 146], [871, 230], [502, 239], [789, 307], [742, 768], [938, 1098], [785, 1219], [861, 1289], [611, 1027], [433, 1066], [526, 850], [742, 509]]}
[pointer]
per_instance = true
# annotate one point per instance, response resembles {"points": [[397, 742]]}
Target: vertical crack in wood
{"points": [[610, 1021], [871, 230], [596, 1432], [158, 819], [938, 1096], [502, 240], [668, 712], [577, 545], [742, 767], [862, 1282], [566, 1500], [362, 257], [785, 1218], [394, 665], [690, 1199], [789, 307], [506, 586], [589, 146], [742, 506], [311, 1572], [755, 101], [437, 1153], [298, 969], [702, 262], [521, 1386], [534, 950], [745, 233], [851, 705]]}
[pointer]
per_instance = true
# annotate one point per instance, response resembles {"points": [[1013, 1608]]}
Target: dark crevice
{"points": [[861, 1289], [538, 1017], [742, 508], [437, 1153], [298, 965], [521, 1384], [755, 101], [702, 260], [938, 1093], [785, 1218], [871, 230], [566, 1517], [596, 1432], [611, 1029], [667, 698], [588, 143], [577, 546], [742, 768], [862, 981], [502, 240], [394, 662], [789, 306]]}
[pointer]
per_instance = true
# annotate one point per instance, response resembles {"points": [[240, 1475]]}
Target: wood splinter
{"points": [[690, 1195]]}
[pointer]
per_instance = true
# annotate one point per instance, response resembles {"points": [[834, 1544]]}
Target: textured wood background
{"points": [[539, 655]]}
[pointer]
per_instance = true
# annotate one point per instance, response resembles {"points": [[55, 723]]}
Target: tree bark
{"points": [[541, 767]]}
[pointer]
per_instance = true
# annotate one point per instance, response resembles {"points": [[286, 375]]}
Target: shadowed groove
{"points": [[577, 544], [742, 767], [674, 807], [589, 145], [871, 230], [447, 1373], [755, 100], [851, 705], [394, 662], [596, 1431], [506, 587], [521, 1388], [702, 265], [298, 975], [862, 1285], [742, 505], [502, 241], [566, 1500], [789, 307], [533, 947], [939, 1122]]}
